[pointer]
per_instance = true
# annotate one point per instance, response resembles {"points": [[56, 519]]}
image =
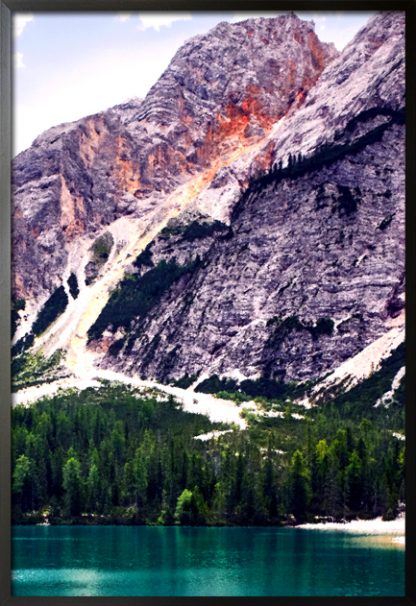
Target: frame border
{"points": [[7, 8]]}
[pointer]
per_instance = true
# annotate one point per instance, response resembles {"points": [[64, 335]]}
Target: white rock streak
{"points": [[387, 398], [212, 435], [215, 409], [361, 366]]}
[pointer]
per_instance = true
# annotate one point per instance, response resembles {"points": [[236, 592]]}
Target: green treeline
{"points": [[136, 295], [327, 153], [295, 166], [53, 307], [112, 456], [193, 231], [34, 369]]}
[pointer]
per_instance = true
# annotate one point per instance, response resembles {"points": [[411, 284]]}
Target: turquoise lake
{"points": [[173, 561]]}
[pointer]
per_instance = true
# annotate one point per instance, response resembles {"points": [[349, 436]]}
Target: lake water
{"points": [[169, 561]]}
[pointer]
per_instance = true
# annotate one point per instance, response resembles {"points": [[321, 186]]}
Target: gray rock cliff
{"points": [[297, 151]]}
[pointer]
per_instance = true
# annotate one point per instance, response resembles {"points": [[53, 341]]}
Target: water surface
{"points": [[173, 561]]}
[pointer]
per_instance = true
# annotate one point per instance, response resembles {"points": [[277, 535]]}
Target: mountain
{"points": [[246, 219]]}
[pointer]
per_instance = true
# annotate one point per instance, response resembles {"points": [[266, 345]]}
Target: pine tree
{"points": [[269, 489], [22, 483], [300, 488], [353, 480], [321, 483], [93, 489], [72, 484], [140, 479]]}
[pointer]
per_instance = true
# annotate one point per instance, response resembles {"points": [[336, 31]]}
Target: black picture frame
{"points": [[7, 8]]}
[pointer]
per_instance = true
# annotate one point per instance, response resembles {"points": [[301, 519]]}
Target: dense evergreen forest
{"points": [[113, 455]]}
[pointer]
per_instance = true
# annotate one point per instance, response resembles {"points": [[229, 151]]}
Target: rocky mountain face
{"points": [[220, 89], [304, 278], [287, 258], [66, 184]]}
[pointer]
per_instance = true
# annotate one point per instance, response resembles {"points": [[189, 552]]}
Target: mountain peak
{"points": [[220, 94]]}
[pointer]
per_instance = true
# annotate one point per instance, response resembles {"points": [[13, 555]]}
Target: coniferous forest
{"points": [[113, 455]]}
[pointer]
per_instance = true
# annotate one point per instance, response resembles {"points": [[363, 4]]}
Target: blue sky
{"points": [[70, 65]]}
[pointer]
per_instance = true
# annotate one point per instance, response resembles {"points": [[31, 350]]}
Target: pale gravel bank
{"points": [[393, 531]]}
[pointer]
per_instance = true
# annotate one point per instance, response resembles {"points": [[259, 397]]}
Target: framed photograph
{"points": [[207, 245]]}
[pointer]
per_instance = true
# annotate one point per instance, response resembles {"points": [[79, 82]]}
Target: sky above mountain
{"points": [[71, 65]]}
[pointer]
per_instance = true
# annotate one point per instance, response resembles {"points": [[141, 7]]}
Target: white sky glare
{"points": [[67, 66]]}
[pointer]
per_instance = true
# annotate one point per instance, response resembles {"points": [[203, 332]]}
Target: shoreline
{"points": [[374, 526], [370, 533]]}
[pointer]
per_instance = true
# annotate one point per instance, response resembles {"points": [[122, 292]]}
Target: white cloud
{"points": [[66, 95], [161, 19], [123, 17], [336, 26], [18, 61], [20, 21], [321, 23]]}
